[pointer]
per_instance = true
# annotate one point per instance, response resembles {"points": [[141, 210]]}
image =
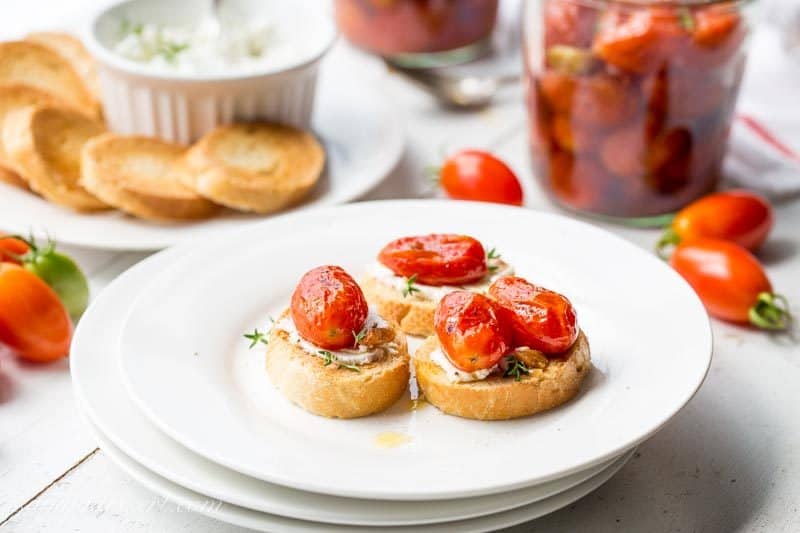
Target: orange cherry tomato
{"points": [[470, 330], [542, 319], [739, 216], [713, 25], [33, 321], [480, 176], [436, 259], [328, 308], [638, 40], [730, 282], [11, 249]]}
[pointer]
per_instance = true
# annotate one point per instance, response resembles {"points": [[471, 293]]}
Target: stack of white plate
{"points": [[177, 399]]}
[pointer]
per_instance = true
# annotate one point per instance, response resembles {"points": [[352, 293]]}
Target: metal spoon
{"points": [[465, 92]]}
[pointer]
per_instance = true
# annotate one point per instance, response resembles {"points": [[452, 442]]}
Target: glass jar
{"points": [[631, 102], [419, 33]]}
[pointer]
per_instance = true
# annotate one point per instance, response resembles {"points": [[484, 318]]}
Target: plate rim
{"points": [[488, 488]]}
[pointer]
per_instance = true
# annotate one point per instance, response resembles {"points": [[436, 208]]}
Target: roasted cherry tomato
{"points": [[12, 249], [542, 319], [328, 308], [738, 216], [714, 25], [470, 330], [568, 23], [640, 40], [731, 283], [437, 259], [480, 176], [33, 321]]}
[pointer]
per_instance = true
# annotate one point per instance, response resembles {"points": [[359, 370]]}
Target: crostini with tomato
{"points": [[512, 352], [334, 355], [412, 274]]}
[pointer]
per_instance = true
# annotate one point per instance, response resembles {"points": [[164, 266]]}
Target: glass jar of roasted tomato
{"points": [[419, 33], [630, 102]]}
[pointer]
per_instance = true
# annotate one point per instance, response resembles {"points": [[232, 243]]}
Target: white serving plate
{"points": [[187, 366], [232, 514], [362, 137], [101, 396]]}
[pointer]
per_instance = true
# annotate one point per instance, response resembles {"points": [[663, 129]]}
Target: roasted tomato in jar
{"points": [[436, 259], [470, 331], [327, 307], [542, 319], [566, 22]]}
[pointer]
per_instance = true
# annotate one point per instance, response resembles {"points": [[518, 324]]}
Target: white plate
{"points": [[188, 367], [101, 395], [362, 138], [240, 516]]}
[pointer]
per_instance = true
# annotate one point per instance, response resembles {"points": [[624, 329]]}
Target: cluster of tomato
{"points": [[391, 27], [41, 293], [714, 240], [631, 109], [476, 331]]}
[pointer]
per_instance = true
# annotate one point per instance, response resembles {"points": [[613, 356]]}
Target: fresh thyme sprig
{"points": [[328, 358], [515, 368], [492, 254], [410, 288], [358, 337], [256, 337]]}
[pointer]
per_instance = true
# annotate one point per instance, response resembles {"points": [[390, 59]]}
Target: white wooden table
{"points": [[728, 462]]}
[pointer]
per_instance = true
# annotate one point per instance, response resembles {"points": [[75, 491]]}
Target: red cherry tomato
{"points": [[436, 259], [640, 40], [470, 330], [542, 319], [11, 249], [33, 321], [480, 176], [328, 308], [730, 282], [738, 216]]}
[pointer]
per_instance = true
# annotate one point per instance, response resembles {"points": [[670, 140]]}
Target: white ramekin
{"points": [[183, 107]]}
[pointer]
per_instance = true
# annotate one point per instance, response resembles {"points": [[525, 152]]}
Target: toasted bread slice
{"points": [[139, 175], [9, 177], [256, 167], [333, 391], [501, 398], [71, 48], [29, 63], [15, 97], [43, 144], [414, 314]]}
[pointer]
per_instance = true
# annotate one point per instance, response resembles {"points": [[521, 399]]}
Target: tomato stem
{"points": [[434, 173], [669, 238], [771, 311]]}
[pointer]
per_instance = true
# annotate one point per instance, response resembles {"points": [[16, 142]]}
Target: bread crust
{"points": [[43, 143], [8, 176], [335, 392], [13, 98], [139, 175], [259, 167], [502, 398], [414, 315], [71, 48], [35, 65]]}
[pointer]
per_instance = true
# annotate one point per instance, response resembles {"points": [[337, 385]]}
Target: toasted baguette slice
{"points": [[28, 63], [413, 314], [13, 98], [9, 177], [256, 167], [43, 144], [501, 398], [332, 391], [71, 48], [139, 175]]}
